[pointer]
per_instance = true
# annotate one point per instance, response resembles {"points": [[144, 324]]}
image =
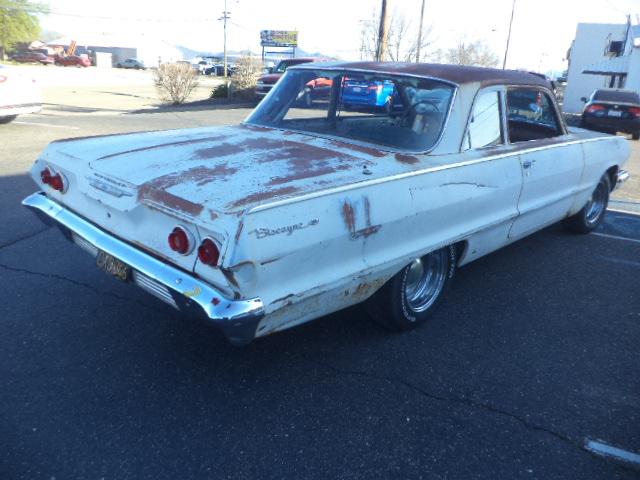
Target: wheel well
{"points": [[613, 176], [461, 249]]}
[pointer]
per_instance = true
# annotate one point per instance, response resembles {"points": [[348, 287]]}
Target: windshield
{"points": [[406, 113], [284, 64]]}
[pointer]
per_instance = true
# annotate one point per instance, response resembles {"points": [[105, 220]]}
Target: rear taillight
{"points": [[54, 180], [635, 111], [181, 241], [595, 108], [374, 88], [208, 252]]}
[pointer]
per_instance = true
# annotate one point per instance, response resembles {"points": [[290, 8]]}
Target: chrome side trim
{"points": [[415, 173], [238, 319]]}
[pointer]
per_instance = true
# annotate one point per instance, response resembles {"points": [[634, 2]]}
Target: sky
{"points": [[542, 29]]}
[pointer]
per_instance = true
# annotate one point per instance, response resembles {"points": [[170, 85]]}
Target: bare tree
{"points": [[245, 77], [469, 53], [175, 81], [402, 38]]}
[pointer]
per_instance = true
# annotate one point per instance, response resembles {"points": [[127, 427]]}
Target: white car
{"points": [[19, 94], [302, 211]]}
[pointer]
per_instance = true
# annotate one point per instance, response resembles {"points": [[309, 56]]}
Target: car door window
{"points": [[485, 126], [531, 115]]}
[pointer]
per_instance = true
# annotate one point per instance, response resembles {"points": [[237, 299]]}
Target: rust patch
{"points": [[213, 215], [256, 128], [407, 159], [282, 299], [374, 152], [156, 189], [220, 150], [163, 145], [303, 173], [271, 260], [240, 227], [349, 216], [147, 192], [366, 232], [260, 196]]}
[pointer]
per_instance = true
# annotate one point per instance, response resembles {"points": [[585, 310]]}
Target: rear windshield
{"points": [[616, 96], [406, 113]]}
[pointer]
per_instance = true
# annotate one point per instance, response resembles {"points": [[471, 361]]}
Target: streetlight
{"points": [[225, 16], [506, 50]]}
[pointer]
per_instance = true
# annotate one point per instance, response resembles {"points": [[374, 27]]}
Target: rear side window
{"points": [[485, 127], [616, 96], [531, 115]]}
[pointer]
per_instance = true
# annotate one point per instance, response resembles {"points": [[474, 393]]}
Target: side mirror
{"points": [[270, 70], [583, 99]]}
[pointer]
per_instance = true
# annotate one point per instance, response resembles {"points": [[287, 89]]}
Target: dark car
{"points": [[73, 60], [131, 63], [268, 80], [612, 110], [32, 57]]}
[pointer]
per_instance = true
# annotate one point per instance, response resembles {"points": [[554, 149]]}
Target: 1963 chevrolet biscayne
{"points": [[308, 207]]}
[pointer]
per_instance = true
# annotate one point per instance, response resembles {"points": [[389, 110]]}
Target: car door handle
{"points": [[528, 164]]}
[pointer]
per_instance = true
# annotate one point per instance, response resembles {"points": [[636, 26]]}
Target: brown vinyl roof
{"points": [[458, 74]]}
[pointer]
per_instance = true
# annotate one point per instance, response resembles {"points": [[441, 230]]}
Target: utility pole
{"points": [[225, 16], [381, 51], [420, 33], [506, 50]]}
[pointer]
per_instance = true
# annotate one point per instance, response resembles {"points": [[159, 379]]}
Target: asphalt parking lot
{"points": [[534, 353]]}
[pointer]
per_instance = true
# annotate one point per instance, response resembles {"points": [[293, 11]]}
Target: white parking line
{"points": [[621, 261], [615, 237], [48, 125], [601, 448]]}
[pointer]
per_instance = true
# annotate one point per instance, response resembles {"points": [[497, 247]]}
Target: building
{"points": [[149, 51], [602, 56]]}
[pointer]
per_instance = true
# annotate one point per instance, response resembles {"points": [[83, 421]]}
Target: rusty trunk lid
{"points": [[219, 169]]}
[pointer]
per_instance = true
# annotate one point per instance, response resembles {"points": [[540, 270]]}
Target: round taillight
{"points": [[55, 181], [45, 176], [208, 252], [180, 241]]}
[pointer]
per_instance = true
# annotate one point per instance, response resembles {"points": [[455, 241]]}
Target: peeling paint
{"points": [[265, 195], [408, 159], [164, 145], [349, 216], [239, 231]]}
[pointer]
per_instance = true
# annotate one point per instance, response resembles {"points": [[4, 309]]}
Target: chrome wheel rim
{"points": [[424, 281], [596, 204]]}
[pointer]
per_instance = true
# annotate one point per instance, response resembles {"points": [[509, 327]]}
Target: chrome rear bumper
{"points": [[238, 319]]}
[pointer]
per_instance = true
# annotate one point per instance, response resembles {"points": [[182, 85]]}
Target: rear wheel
{"points": [[635, 136], [410, 297], [592, 214]]}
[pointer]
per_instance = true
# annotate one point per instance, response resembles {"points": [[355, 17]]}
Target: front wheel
{"points": [[592, 214], [411, 296], [635, 136]]}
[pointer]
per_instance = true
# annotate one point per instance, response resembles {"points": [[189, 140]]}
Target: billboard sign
{"points": [[279, 38]]}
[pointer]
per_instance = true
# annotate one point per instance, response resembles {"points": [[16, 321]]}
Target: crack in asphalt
{"points": [[79, 284], [461, 401], [25, 237]]}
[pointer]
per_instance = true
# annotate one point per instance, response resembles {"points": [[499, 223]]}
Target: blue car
{"points": [[358, 93]]}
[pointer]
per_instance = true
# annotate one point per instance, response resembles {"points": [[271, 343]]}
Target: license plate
{"points": [[615, 113], [112, 265], [357, 89]]}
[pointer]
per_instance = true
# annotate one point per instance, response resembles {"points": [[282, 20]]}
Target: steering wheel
{"points": [[412, 110]]}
